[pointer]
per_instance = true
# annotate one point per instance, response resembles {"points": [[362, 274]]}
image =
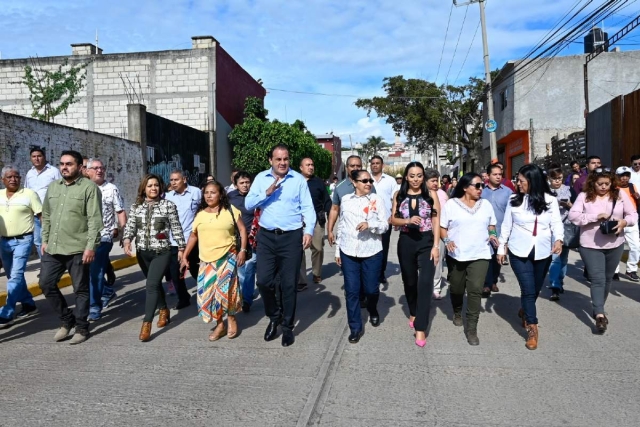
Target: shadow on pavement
{"points": [[505, 306]]}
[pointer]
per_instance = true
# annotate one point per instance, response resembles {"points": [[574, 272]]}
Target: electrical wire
{"points": [[468, 51], [344, 95], [445, 42], [455, 51]]}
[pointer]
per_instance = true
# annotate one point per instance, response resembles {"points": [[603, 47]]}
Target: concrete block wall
{"points": [[122, 157]]}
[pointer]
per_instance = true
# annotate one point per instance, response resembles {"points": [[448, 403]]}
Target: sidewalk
{"points": [[118, 259]]}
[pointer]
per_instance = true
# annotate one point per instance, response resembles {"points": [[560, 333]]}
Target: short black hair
{"points": [[376, 157], [635, 157], [76, 156], [492, 167], [576, 163], [241, 174], [278, 147], [39, 150], [593, 158]]}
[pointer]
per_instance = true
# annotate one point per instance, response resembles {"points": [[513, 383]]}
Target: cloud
{"points": [[327, 46]]}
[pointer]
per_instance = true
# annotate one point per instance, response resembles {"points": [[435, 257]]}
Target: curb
{"points": [[65, 280]]}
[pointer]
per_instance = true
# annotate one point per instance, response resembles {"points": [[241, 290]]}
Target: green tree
{"points": [[51, 93], [374, 144], [429, 114], [254, 138]]}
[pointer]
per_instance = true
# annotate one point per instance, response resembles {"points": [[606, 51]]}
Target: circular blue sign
{"points": [[491, 125]]}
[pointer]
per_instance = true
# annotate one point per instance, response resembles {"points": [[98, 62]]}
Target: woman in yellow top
{"points": [[214, 232]]}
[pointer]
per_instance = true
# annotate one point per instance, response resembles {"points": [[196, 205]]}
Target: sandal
{"points": [[217, 333], [232, 333]]}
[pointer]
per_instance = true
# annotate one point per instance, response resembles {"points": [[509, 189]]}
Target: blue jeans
{"points": [[37, 235], [98, 287], [359, 272], [15, 254], [247, 278], [558, 269], [530, 274]]}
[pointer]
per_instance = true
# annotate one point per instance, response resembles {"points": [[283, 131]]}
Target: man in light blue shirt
{"points": [[498, 195], [283, 196], [38, 179], [187, 200]]}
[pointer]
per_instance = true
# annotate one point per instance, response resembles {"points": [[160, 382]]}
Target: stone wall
{"points": [[122, 157]]}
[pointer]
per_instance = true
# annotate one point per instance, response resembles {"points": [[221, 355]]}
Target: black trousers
{"points": [[279, 256], [177, 278], [493, 273], [52, 268], [153, 265], [414, 251], [386, 241]]}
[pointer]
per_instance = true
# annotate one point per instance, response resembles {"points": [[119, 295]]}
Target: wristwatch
{"points": [[446, 240]]}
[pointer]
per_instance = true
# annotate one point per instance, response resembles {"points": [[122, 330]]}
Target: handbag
{"points": [[607, 226], [571, 236], [239, 239]]}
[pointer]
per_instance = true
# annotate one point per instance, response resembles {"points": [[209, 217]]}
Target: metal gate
{"points": [[516, 163]]}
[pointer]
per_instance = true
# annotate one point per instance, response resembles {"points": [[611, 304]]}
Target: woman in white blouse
{"points": [[532, 230], [468, 229], [363, 219]]}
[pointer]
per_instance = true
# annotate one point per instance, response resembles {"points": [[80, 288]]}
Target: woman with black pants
{"points": [[151, 220], [416, 210]]}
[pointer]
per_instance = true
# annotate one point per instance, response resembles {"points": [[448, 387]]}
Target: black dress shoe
{"points": [[375, 320], [182, 304], [272, 331], [354, 337], [246, 308], [287, 338]]}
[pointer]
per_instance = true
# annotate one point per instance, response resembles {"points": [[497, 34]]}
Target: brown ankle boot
{"points": [[522, 317], [163, 317], [145, 332], [532, 337]]}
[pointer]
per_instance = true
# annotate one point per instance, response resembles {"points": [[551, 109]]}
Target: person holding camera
{"points": [[558, 268], [602, 211]]}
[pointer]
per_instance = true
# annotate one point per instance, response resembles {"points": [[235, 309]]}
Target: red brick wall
{"points": [[233, 86]]}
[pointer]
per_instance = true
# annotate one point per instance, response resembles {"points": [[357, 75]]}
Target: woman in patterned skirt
{"points": [[214, 231]]}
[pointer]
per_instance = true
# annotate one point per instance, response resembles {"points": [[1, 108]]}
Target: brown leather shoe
{"points": [[495, 288], [521, 316], [163, 317], [145, 332], [532, 337], [317, 279]]}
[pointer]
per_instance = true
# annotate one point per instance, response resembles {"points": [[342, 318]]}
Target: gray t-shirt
{"points": [[342, 189]]}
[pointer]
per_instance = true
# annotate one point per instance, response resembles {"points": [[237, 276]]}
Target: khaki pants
{"points": [[317, 255]]}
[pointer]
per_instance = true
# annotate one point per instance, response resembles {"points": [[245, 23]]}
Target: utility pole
{"points": [[493, 145]]}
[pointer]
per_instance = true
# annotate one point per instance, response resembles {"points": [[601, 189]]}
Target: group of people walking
{"points": [[255, 232]]}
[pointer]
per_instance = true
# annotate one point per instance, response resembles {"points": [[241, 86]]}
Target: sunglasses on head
{"points": [[365, 181], [602, 171]]}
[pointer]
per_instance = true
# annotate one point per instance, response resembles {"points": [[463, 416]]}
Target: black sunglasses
{"points": [[478, 185], [365, 181]]}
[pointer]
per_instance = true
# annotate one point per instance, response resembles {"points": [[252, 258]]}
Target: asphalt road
{"points": [[575, 378]]}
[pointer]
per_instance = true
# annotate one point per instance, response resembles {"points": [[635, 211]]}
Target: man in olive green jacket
{"points": [[71, 225]]}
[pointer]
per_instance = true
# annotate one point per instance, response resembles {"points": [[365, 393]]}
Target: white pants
{"points": [[631, 235], [438, 283]]}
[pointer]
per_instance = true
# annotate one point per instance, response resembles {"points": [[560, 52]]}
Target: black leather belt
{"points": [[277, 231], [17, 237]]}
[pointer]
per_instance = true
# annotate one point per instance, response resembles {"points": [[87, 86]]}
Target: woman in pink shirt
{"points": [[601, 249]]}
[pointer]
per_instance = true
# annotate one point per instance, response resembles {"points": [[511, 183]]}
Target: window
{"points": [[504, 95]]}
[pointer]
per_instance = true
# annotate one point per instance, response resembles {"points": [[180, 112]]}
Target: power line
{"points": [[468, 51], [446, 80], [344, 95], [445, 42]]}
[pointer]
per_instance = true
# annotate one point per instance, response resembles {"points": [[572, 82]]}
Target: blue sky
{"points": [[325, 46]]}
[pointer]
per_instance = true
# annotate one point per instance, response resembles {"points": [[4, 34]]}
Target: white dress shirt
{"points": [[468, 228], [518, 226], [39, 181], [354, 210], [635, 179], [386, 187]]}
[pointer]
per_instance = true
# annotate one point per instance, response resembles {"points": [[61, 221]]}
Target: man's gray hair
{"points": [[178, 171], [92, 160], [9, 168]]}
